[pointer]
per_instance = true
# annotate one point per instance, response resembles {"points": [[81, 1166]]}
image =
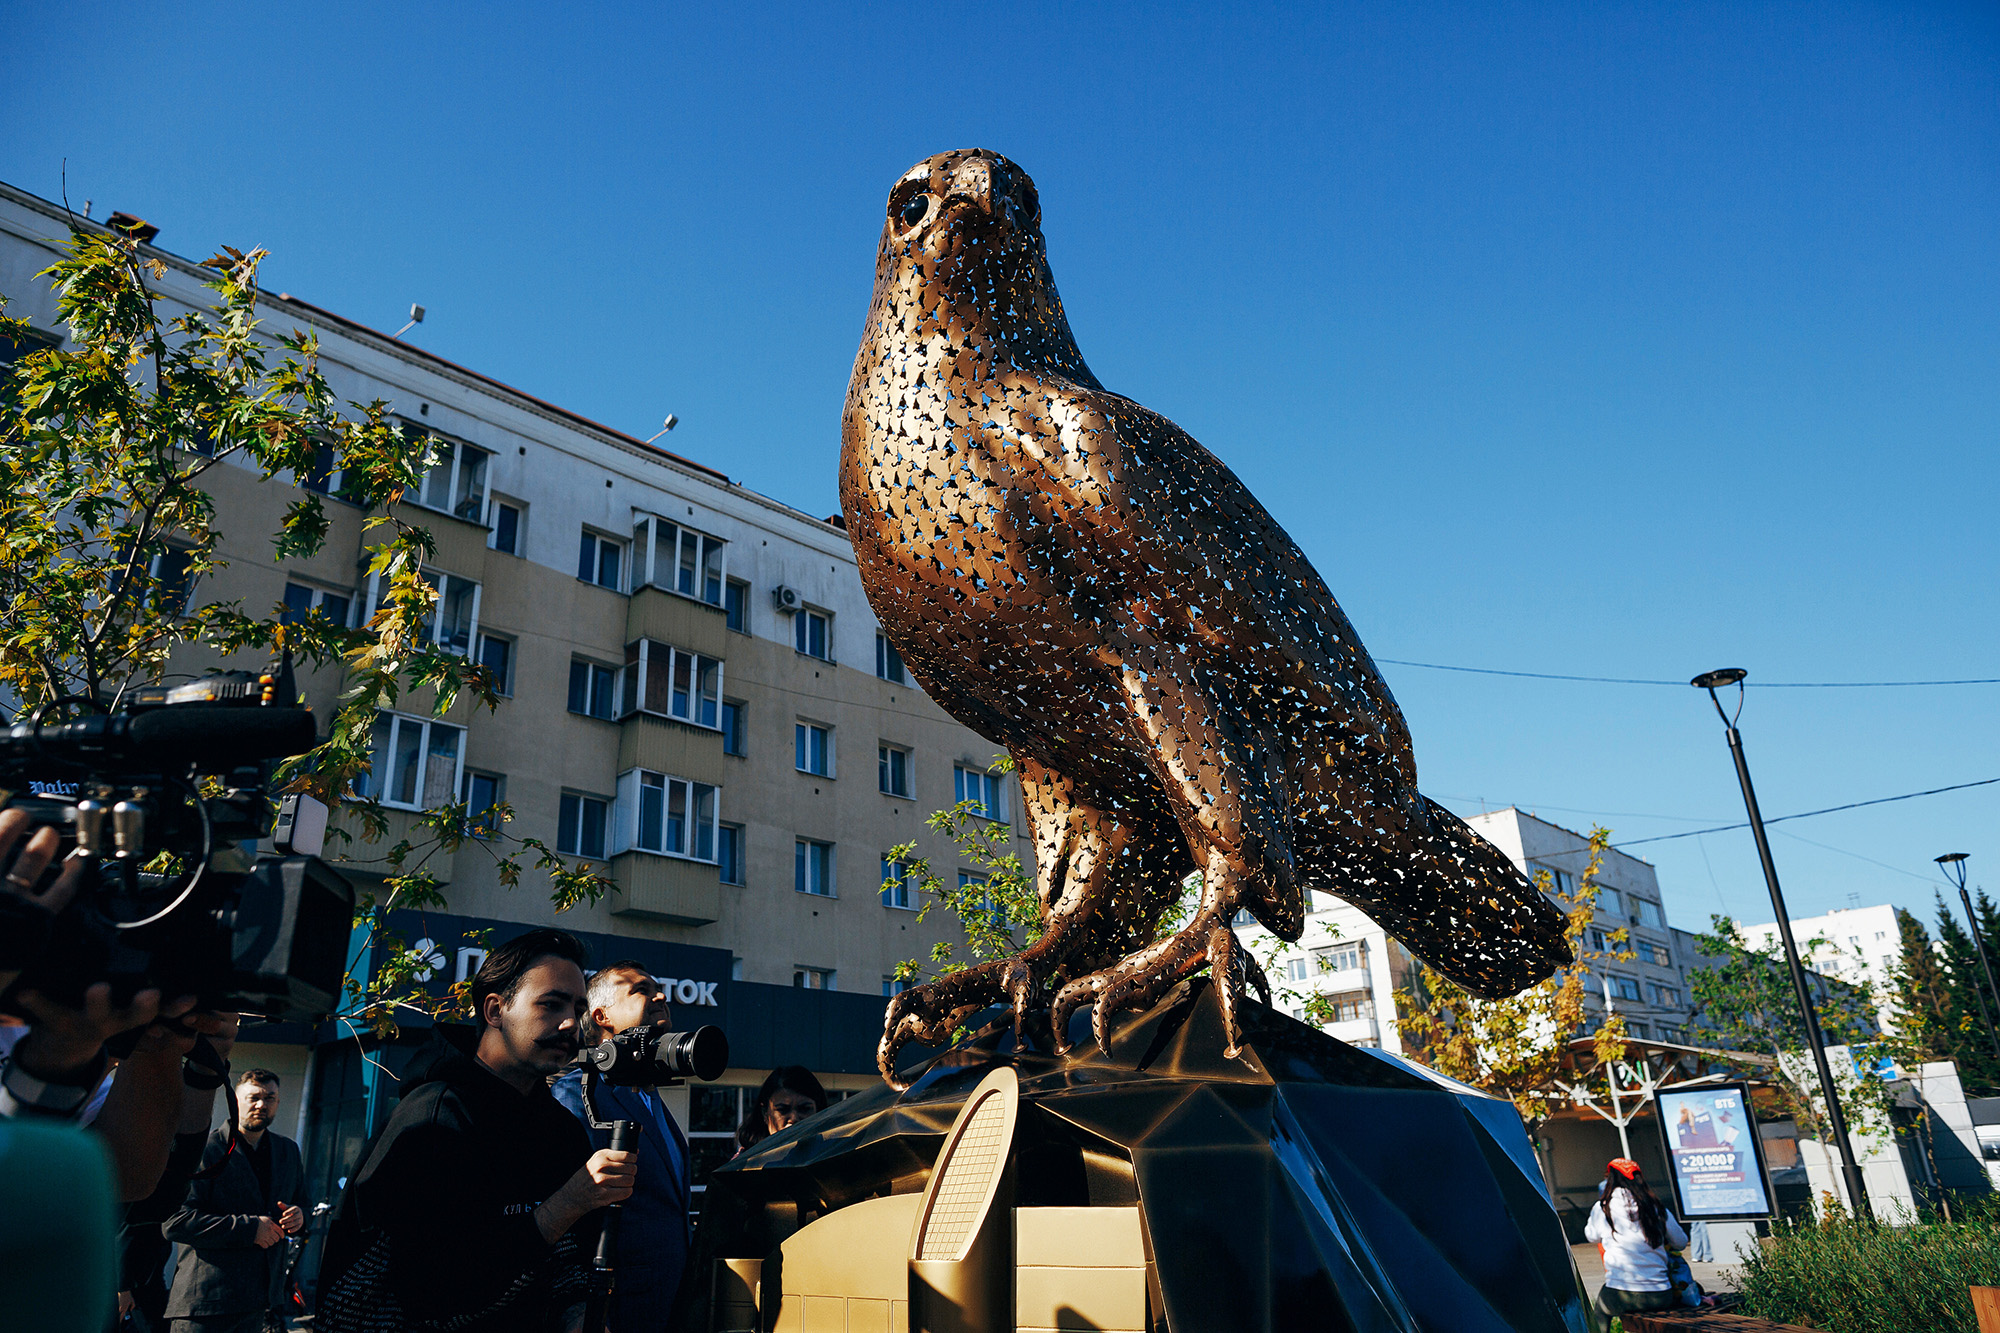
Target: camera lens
{"points": [[704, 1053]]}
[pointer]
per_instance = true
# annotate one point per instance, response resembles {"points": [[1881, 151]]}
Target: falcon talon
{"points": [[1076, 578]]}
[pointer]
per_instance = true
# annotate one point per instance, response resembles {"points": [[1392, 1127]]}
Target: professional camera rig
{"points": [[177, 896]]}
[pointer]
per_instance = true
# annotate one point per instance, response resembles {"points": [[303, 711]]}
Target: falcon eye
{"points": [[1031, 203], [913, 210]]}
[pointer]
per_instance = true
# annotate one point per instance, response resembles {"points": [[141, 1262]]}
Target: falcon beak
{"points": [[977, 182]]}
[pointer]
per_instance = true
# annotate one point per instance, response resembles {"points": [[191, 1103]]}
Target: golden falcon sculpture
{"points": [[1072, 576]]}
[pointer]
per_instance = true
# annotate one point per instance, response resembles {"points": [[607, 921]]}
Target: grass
{"points": [[1843, 1275]]}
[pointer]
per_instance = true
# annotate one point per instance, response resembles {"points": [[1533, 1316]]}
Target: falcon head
{"points": [[966, 226]]}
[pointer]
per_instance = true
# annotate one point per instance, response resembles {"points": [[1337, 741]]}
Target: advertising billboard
{"points": [[1718, 1160]]}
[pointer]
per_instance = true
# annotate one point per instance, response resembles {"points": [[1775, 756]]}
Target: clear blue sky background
{"points": [[1607, 339]]}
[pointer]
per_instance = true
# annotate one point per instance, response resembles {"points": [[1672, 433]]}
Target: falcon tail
{"points": [[1475, 918]]}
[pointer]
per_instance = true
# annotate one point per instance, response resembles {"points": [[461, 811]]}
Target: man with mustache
{"points": [[462, 1211]]}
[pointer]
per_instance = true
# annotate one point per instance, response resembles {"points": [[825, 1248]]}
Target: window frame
{"points": [[629, 815], [414, 431], [823, 977], [425, 728], [737, 736], [805, 732], [901, 877], [803, 852], [583, 798], [441, 582], [995, 810], [733, 833], [591, 546], [886, 753], [468, 776], [653, 572], [316, 602], [615, 690], [504, 684], [519, 508], [802, 620], [642, 658], [736, 604], [889, 658]]}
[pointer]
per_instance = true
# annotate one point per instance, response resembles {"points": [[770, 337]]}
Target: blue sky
{"points": [[1622, 340]]}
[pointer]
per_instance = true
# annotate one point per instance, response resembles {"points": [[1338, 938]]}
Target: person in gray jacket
{"points": [[241, 1206]]}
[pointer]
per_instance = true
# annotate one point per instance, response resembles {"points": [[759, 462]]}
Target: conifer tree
{"points": [[1970, 1008], [1923, 996]]}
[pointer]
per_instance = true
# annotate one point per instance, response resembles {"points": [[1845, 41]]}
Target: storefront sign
{"points": [[1718, 1160]]}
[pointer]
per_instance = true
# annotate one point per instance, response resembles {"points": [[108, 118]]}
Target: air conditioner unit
{"points": [[786, 599]]}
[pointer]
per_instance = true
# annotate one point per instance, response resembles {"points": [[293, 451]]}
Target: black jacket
{"points": [[224, 1272], [449, 1189]]}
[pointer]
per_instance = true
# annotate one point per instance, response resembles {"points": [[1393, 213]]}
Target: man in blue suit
{"points": [[653, 1237]]}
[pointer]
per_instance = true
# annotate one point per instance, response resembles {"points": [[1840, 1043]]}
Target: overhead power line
{"points": [[1808, 814], [1681, 684]]}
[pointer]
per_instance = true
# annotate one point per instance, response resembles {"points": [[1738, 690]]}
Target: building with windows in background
{"points": [[1859, 945], [694, 696]]}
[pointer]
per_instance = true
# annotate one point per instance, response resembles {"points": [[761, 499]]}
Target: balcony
{"points": [[1356, 1030], [666, 888]]}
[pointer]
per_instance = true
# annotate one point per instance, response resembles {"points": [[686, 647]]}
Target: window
{"points": [[1595, 938], [1625, 988], [481, 793], [1673, 1033], [1560, 881], [496, 654], [812, 747], [1637, 1029], [456, 481], [889, 662], [981, 905], [674, 682], [811, 634], [1609, 901], [413, 763], [580, 826], [1667, 997], [899, 885], [983, 789], [729, 852], [735, 716], [813, 978], [893, 767], [812, 867], [1341, 957], [323, 477], [601, 560], [1647, 913], [593, 689], [506, 520], [667, 555], [1298, 969], [736, 605], [301, 600], [1656, 954], [892, 986], [16, 345], [1349, 1006], [454, 616], [173, 579], [668, 815]]}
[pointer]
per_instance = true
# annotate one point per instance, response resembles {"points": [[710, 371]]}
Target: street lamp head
{"points": [[1953, 866], [1715, 680], [1952, 858]]}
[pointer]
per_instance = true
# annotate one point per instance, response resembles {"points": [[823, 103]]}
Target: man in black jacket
{"points": [[460, 1213], [235, 1218]]}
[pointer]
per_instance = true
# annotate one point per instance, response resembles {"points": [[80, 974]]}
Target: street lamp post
{"points": [[1953, 865], [1850, 1169]]}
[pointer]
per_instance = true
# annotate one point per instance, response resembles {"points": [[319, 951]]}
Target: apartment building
{"points": [[1359, 967], [1859, 945], [694, 696]]}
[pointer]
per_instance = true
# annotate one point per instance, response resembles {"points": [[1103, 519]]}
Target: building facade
{"points": [[1858, 945], [694, 697]]}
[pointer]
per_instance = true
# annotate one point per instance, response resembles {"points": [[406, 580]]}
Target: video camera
{"points": [[255, 934], [649, 1056]]}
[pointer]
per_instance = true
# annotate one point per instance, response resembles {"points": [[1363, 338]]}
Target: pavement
{"points": [[1589, 1267]]}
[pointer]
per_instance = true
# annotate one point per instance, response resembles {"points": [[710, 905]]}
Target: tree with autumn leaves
{"points": [[107, 525], [1515, 1047]]}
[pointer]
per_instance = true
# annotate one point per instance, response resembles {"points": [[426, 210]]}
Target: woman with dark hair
{"points": [[1633, 1232], [789, 1095]]}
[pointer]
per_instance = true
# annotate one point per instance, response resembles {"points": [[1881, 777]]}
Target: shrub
{"points": [[1845, 1275]]}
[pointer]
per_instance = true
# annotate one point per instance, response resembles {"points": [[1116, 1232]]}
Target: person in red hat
{"points": [[1634, 1233]]}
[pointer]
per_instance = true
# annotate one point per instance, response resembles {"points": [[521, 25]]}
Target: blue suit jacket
{"points": [[653, 1236]]}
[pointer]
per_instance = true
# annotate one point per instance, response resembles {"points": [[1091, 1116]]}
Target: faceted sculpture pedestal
{"points": [[1307, 1184]]}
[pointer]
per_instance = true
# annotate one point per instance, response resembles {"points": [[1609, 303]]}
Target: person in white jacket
{"points": [[1634, 1233]]}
